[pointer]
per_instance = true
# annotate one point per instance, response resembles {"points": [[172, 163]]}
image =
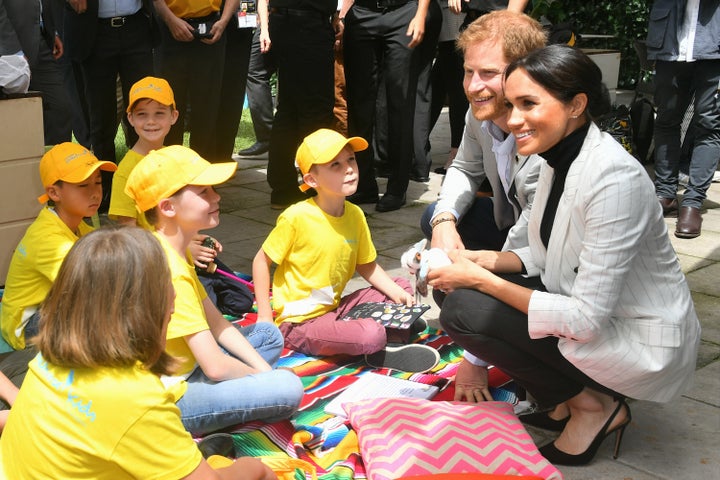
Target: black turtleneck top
{"points": [[560, 157]]}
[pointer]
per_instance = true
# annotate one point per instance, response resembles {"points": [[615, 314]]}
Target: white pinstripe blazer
{"points": [[617, 297]]}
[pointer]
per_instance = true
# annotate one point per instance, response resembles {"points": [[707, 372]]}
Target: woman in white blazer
{"points": [[596, 307]]}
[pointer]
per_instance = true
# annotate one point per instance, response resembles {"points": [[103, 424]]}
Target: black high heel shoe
{"points": [[558, 457], [543, 420]]}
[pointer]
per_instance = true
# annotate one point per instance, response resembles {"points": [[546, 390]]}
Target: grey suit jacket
{"points": [[616, 296], [20, 27], [474, 162]]}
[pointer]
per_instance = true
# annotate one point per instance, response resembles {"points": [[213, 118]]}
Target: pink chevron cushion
{"points": [[412, 436]]}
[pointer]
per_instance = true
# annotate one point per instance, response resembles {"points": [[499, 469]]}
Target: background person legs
{"points": [[259, 95]]}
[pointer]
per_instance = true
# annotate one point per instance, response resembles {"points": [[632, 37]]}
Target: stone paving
{"points": [[679, 440]]}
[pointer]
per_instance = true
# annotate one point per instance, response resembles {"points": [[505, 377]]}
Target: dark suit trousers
{"points": [[47, 77], [423, 101], [303, 53], [259, 93], [498, 334], [237, 58], [194, 71], [124, 51], [447, 80], [375, 41]]}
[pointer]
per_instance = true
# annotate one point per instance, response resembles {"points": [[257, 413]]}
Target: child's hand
{"points": [[404, 298], [202, 256]]}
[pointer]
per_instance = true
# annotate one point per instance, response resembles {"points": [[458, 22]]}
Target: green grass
{"points": [[244, 138]]}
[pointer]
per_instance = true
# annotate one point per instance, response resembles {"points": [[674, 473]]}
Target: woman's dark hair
{"points": [[565, 71]]}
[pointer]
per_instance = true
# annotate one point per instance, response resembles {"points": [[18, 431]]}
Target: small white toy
{"points": [[420, 261]]}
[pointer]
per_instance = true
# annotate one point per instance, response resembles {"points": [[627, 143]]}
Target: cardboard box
{"points": [[22, 140]]}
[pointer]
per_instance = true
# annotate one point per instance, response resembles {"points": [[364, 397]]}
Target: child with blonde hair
{"points": [[317, 245]]}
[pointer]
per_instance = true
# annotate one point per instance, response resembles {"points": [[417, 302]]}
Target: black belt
{"points": [[117, 22], [296, 12], [381, 5]]}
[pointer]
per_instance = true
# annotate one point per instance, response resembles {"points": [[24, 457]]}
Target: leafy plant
{"points": [[626, 21]]}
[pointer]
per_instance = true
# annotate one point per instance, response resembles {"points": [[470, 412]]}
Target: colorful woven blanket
{"points": [[327, 442]]}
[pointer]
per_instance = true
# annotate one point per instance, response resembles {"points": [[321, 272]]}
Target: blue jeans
{"points": [[675, 83], [208, 406]]}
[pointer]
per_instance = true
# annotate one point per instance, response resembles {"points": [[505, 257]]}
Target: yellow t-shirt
{"points": [[106, 423], [193, 8], [189, 315], [33, 268], [120, 202], [316, 255]]}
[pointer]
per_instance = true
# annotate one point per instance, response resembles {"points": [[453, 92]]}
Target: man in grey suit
{"points": [[487, 152], [27, 27]]}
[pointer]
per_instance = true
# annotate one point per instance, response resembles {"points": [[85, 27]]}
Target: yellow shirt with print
{"points": [[120, 202], [316, 255], [33, 268], [104, 423], [189, 315]]}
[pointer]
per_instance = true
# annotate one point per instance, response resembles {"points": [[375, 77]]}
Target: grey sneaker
{"points": [[412, 358]]}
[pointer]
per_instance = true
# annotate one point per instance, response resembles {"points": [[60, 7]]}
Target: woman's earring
{"points": [[573, 116]]}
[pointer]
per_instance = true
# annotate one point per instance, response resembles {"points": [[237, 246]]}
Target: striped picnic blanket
{"points": [[327, 442]]}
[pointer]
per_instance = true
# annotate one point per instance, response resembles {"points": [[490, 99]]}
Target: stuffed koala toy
{"points": [[419, 261]]}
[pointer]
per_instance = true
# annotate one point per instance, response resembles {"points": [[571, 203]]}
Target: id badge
{"points": [[247, 20], [247, 14]]}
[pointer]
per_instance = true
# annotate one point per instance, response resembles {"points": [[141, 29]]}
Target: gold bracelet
{"points": [[440, 220]]}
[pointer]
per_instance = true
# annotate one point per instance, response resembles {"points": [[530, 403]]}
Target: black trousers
{"points": [[422, 125], [498, 334], [447, 81], [376, 41], [194, 71], [259, 92], [303, 53], [46, 77], [125, 51], [237, 59]]}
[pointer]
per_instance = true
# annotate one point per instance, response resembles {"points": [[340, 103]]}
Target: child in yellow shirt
{"points": [[317, 245], [70, 174]]}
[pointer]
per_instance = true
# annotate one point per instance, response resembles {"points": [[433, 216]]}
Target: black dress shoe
{"points": [[419, 178], [688, 223], [217, 444], [669, 206], [390, 202], [440, 170], [359, 198], [257, 148]]}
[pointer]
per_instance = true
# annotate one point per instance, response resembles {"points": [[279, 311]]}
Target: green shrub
{"points": [[626, 20]]}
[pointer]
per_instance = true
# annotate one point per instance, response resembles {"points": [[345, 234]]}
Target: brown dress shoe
{"points": [[688, 223], [669, 206]]}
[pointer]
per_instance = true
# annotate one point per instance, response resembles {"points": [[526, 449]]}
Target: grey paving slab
{"points": [[689, 263], [705, 246], [708, 312], [706, 388], [234, 227], [705, 280]]}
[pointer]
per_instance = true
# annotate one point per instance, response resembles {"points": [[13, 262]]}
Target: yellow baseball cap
{"points": [[154, 88], [165, 171], [69, 162], [321, 147]]}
